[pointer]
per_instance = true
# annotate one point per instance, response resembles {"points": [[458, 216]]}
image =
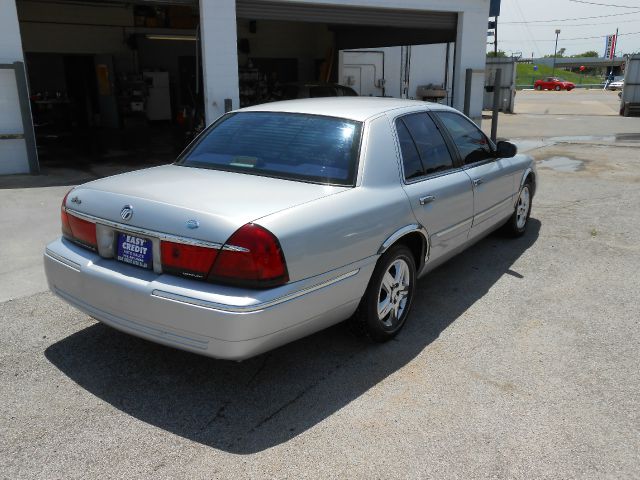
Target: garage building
{"points": [[107, 79]]}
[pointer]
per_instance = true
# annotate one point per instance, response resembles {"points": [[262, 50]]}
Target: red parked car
{"points": [[553, 83]]}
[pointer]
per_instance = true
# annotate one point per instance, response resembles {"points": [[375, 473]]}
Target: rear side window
{"points": [[410, 157], [428, 144], [293, 146], [469, 139]]}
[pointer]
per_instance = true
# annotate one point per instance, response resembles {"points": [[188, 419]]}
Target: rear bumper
{"points": [[214, 320]]}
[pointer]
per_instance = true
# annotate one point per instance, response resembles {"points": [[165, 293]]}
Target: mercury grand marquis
{"points": [[282, 219]]}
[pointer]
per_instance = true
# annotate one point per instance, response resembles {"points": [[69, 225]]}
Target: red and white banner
{"points": [[610, 46]]}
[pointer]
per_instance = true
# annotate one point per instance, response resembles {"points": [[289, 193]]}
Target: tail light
{"points": [[251, 257], [64, 217], [187, 260], [76, 229]]}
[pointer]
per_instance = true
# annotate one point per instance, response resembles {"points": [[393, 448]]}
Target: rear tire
{"points": [[517, 224], [539, 87], [385, 306], [558, 88]]}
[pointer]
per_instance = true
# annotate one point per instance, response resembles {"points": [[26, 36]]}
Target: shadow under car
{"points": [[267, 400]]}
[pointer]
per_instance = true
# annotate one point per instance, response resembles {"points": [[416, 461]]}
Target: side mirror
{"points": [[506, 150]]}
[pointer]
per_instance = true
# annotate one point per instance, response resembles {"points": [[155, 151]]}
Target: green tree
{"points": [[560, 53], [500, 54], [589, 54]]}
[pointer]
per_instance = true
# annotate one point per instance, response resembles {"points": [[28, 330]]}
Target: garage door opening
{"points": [[122, 82], [111, 83], [290, 51]]}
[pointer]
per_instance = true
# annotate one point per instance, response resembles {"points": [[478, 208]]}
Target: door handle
{"points": [[478, 181], [427, 199]]}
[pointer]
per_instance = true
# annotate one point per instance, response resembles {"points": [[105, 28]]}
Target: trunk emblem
{"points": [[127, 212], [76, 200], [193, 224]]}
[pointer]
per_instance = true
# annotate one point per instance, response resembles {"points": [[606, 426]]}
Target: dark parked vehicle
{"points": [[292, 91]]}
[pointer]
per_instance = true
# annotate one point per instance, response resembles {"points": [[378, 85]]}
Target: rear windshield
{"points": [[293, 146]]}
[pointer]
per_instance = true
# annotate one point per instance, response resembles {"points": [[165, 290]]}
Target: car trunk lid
{"points": [[196, 203]]}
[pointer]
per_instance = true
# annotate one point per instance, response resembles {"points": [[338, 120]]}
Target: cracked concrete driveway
{"points": [[520, 360]]}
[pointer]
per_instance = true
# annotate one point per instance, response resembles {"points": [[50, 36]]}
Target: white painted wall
{"points": [[471, 53], [219, 56], [13, 153], [428, 64]]}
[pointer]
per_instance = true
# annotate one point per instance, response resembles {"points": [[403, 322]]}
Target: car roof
{"points": [[351, 108]]}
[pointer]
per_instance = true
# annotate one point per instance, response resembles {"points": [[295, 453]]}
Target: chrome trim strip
{"points": [[489, 212], [395, 236], [454, 227], [522, 180], [152, 233], [60, 259], [250, 308]]}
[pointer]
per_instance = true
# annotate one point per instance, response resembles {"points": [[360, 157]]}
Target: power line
{"points": [[526, 26], [586, 24], [571, 19], [578, 38], [602, 4]]}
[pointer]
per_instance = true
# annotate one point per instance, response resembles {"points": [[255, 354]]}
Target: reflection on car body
{"points": [[284, 218]]}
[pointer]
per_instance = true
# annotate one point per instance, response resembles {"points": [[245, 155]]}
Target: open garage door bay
{"points": [[359, 27]]}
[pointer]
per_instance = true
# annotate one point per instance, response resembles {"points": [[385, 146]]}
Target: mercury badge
{"points": [[76, 200], [193, 224], [126, 213]]}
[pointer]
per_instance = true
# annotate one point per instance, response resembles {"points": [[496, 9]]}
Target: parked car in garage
{"points": [[282, 219], [292, 91], [554, 83]]}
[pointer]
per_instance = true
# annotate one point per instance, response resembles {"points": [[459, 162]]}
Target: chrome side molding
{"points": [[249, 308], [398, 234]]}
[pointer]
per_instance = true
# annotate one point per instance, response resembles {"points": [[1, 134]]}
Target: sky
{"points": [[539, 19]]}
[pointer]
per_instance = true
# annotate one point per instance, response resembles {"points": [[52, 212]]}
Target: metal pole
{"points": [[497, 87], [555, 52], [467, 91]]}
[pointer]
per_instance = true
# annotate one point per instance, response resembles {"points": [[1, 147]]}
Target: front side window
{"points": [[472, 144], [428, 144], [292, 146]]}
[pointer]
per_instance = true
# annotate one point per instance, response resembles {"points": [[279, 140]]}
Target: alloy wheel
{"points": [[393, 293], [522, 208]]}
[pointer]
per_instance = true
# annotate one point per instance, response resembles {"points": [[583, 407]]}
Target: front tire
{"points": [[517, 224], [385, 306], [539, 87]]}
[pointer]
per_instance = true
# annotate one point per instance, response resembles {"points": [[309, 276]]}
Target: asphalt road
{"points": [[520, 360]]}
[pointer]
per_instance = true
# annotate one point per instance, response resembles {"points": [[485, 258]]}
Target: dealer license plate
{"points": [[135, 250]]}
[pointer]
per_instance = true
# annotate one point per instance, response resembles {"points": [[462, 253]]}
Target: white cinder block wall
{"points": [[13, 153]]}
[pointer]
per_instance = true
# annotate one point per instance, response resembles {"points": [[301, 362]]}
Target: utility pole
{"points": [[555, 52]]}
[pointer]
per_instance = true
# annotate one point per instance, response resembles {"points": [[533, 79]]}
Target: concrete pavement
{"points": [[518, 361]]}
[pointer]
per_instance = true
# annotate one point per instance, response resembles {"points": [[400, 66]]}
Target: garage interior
{"points": [[122, 82]]}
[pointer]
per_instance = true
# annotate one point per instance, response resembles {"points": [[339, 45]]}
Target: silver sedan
{"points": [[282, 219]]}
